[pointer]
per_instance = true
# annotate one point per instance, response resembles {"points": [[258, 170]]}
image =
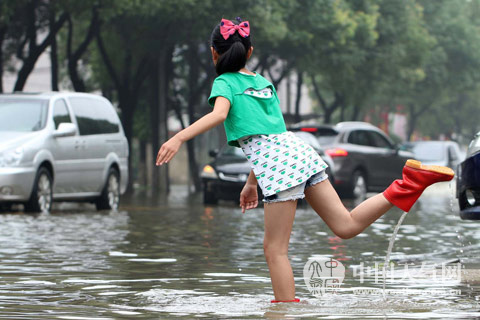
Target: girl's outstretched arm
{"points": [[205, 123]]}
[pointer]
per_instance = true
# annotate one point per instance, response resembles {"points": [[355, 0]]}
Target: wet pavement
{"points": [[173, 257]]}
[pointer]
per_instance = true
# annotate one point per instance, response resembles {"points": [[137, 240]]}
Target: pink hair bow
{"points": [[227, 28]]}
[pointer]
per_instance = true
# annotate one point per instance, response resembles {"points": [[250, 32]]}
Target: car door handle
{"points": [[77, 144]]}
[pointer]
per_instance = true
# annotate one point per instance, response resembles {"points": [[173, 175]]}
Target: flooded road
{"points": [[176, 258]]}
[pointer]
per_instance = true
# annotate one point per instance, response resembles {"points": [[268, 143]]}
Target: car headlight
{"points": [[11, 158], [208, 172]]}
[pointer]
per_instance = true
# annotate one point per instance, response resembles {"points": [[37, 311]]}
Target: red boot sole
{"points": [[415, 164]]}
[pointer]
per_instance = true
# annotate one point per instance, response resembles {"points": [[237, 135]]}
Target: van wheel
{"points": [[358, 188], [110, 197], [42, 193]]}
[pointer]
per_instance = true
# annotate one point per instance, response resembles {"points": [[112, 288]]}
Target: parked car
{"points": [[365, 158], [440, 153], [468, 182], [226, 175], [61, 147], [312, 141]]}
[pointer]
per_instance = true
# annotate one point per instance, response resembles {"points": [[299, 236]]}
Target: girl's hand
{"points": [[248, 197], [168, 150]]}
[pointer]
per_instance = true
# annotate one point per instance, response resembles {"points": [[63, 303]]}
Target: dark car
{"points": [[365, 158], [468, 182], [226, 175]]}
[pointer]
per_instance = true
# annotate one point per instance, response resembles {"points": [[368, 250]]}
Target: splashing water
{"points": [[390, 247]]}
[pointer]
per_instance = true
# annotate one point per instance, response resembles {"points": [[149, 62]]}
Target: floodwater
{"points": [[176, 258]]}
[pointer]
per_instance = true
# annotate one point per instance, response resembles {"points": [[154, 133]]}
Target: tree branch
{"points": [[20, 49], [69, 38], [31, 33], [316, 90], [92, 30], [108, 62], [56, 27], [141, 74]]}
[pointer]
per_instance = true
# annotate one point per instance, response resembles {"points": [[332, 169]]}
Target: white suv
{"points": [[61, 147]]}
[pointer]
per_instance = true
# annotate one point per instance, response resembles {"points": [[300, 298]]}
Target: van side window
{"points": [[60, 113], [94, 116]]}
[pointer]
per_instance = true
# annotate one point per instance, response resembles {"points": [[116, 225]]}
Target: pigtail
{"points": [[233, 59]]}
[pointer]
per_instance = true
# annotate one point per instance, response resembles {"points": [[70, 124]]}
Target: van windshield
{"points": [[22, 115]]}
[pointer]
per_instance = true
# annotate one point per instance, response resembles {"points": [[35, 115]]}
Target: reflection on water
{"points": [[175, 257]]}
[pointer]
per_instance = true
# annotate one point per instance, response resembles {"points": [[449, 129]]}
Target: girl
{"points": [[285, 167]]}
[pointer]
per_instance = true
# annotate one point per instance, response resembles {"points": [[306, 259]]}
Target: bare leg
{"points": [[325, 201], [279, 217]]}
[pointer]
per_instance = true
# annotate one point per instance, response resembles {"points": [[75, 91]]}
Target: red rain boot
{"points": [[294, 300], [416, 178]]}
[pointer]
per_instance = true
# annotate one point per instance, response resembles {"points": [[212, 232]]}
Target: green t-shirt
{"points": [[249, 113]]}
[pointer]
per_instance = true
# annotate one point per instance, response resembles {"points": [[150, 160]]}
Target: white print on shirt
{"points": [[264, 93]]}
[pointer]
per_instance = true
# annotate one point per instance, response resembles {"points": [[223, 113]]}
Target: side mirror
{"points": [[401, 147], [213, 153], [396, 148], [65, 129]]}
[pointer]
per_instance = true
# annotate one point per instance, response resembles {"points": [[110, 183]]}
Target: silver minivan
{"points": [[61, 147]]}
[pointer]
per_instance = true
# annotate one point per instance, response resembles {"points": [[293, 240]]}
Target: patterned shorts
{"points": [[281, 161], [297, 192]]}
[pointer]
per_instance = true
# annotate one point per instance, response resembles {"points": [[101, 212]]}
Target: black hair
{"points": [[232, 52]]}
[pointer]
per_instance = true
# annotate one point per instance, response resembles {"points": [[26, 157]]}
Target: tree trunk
{"points": [[53, 53], [24, 72], [192, 102], [154, 119], [74, 56], [164, 61], [327, 109], [412, 121], [299, 95], [3, 31], [413, 116], [142, 170], [355, 113], [125, 104], [289, 94]]}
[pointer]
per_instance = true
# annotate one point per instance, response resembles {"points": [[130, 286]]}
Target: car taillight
{"points": [[337, 152], [309, 129]]}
